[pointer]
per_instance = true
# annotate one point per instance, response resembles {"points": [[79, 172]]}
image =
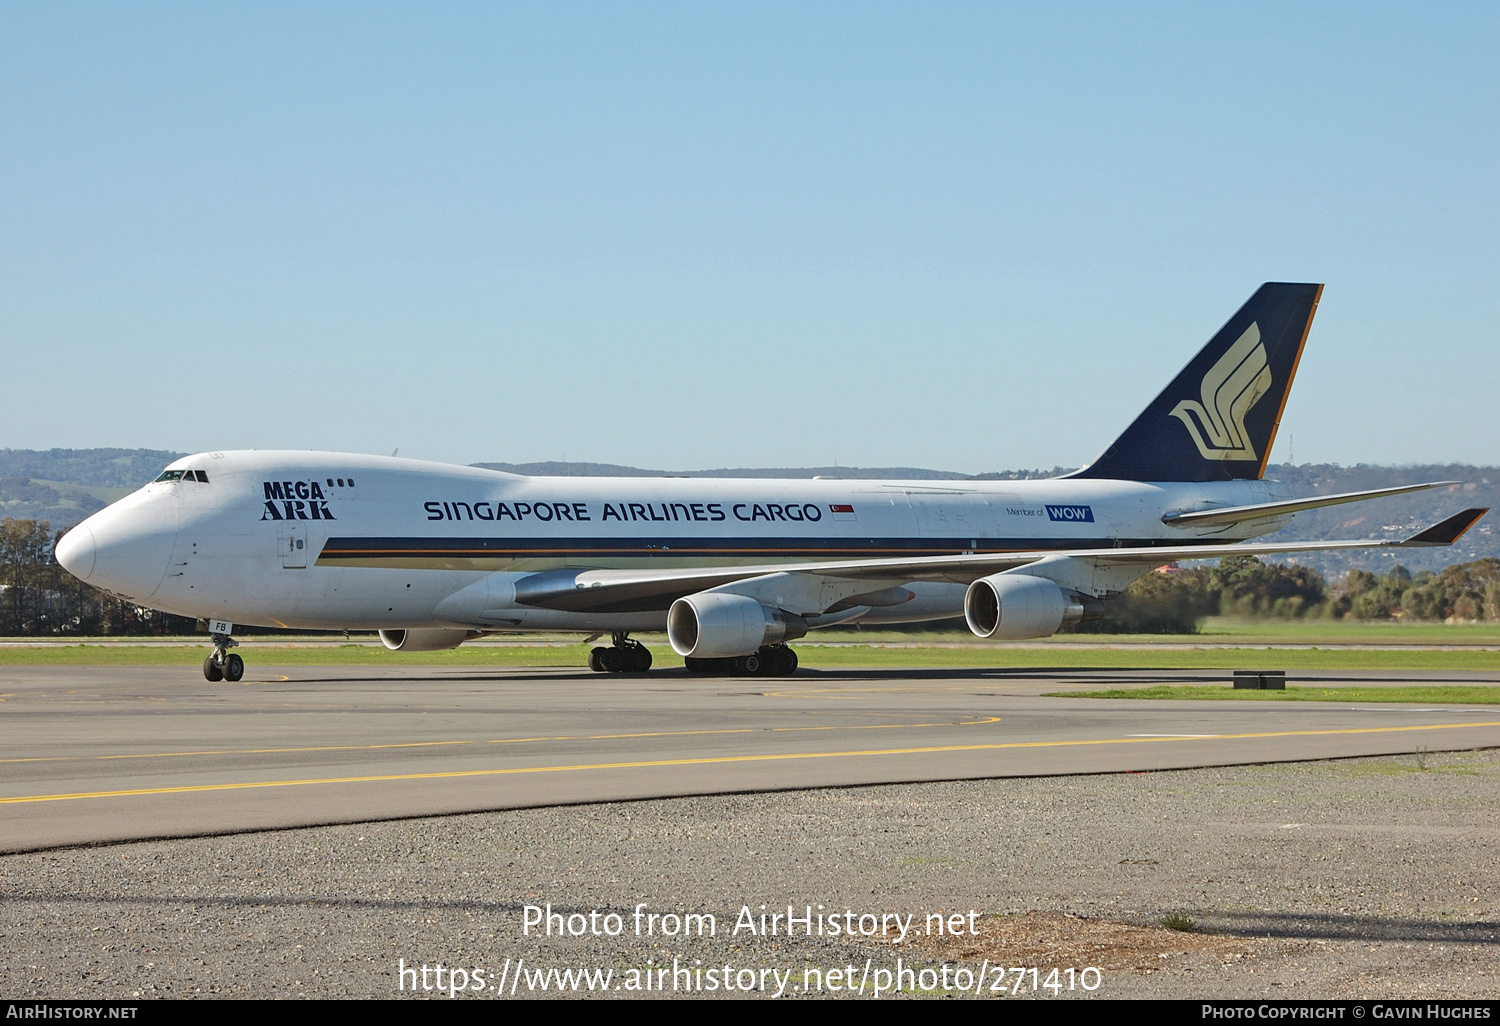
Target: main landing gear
{"points": [[768, 661], [626, 655], [223, 664]]}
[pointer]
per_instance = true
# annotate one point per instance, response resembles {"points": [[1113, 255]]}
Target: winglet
{"points": [[1447, 532]]}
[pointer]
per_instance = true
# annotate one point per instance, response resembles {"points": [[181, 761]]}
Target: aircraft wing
{"points": [[603, 591], [1262, 510]]}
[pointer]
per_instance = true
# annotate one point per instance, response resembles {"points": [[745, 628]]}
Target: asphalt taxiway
{"points": [[98, 754]]}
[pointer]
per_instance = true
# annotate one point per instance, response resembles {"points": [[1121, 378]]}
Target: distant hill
{"points": [[106, 468], [556, 469], [63, 486], [1391, 518], [1395, 517]]}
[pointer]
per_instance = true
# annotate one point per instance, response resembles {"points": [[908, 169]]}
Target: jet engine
{"points": [[1016, 606], [430, 639], [717, 625]]}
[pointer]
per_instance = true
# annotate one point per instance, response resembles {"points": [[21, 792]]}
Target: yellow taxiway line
{"points": [[710, 760], [497, 741]]}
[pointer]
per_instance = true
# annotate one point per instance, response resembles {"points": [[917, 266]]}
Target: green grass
{"points": [[270, 653], [1433, 695], [1228, 630], [1142, 658], [283, 655]]}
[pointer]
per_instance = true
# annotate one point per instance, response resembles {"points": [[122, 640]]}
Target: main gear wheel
{"points": [[767, 661], [626, 655]]}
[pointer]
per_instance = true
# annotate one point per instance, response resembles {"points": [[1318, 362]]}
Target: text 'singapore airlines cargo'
{"points": [[432, 555]]}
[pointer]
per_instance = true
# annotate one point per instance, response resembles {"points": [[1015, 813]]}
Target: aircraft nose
{"points": [[76, 551], [125, 548]]}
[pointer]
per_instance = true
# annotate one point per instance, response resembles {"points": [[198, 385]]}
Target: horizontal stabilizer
{"points": [[1263, 510], [1447, 532]]}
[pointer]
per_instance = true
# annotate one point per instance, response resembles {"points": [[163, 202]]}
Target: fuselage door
{"points": [[291, 539]]}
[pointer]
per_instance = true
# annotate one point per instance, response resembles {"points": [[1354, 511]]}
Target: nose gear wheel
{"points": [[223, 664]]}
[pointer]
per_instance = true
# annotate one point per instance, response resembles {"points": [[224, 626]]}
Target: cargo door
{"points": [[291, 538]]}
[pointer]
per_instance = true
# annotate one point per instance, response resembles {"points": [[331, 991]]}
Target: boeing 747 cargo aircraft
{"points": [[432, 555]]}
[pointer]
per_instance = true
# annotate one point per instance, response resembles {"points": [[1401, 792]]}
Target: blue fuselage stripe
{"points": [[378, 548]]}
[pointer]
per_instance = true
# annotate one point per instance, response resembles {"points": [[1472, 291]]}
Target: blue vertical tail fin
{"points": [[1217, 420]]}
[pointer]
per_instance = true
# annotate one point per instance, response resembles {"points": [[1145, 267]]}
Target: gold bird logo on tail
{"points": [[1230, 388]]}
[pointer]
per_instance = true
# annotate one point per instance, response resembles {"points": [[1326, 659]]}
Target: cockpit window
{"points": [[171, 475], [202, 475]]}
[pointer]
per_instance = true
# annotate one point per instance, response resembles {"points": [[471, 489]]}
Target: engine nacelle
{"points": [[717, 625], [427, 639], [1017, 606]]}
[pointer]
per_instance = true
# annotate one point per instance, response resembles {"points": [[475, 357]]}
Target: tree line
{"points": [[39, 597], [1176, 600]]}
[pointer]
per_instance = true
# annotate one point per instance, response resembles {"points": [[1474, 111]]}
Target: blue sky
{"points": [[963, 236]]}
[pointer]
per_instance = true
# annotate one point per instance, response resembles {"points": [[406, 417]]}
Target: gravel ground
{"points": [[1363, 878]]}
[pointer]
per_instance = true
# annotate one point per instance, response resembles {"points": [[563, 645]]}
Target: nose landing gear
{"points": [[222, 664], [626, 655]]}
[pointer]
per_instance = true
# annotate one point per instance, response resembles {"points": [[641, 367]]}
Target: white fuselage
{"points": [[329, 540]]}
